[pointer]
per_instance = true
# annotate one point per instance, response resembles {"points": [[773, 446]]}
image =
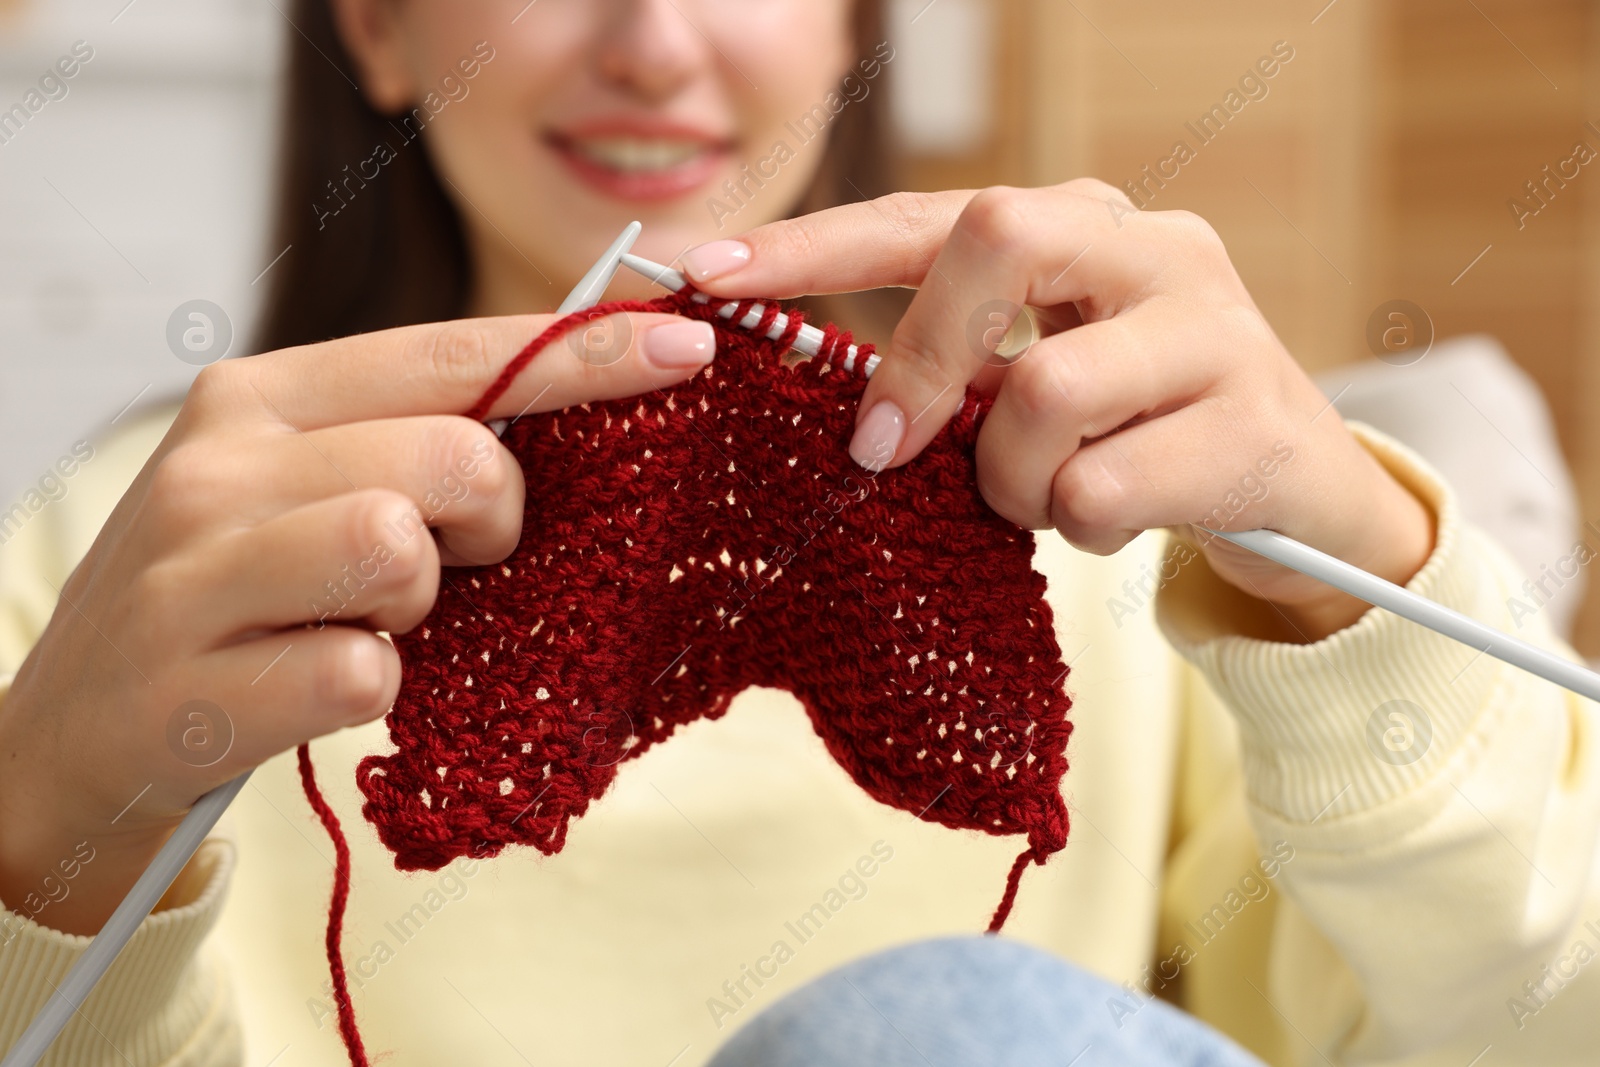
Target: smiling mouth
{"points": [[635, 167]]}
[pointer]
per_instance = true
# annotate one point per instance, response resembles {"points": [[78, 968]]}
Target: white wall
{"points": [[159, 155]]}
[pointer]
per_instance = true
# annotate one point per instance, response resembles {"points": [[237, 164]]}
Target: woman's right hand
{"points": [[280, 524]]}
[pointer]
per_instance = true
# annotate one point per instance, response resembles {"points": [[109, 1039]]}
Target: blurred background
{"points": [[1384, 162]]}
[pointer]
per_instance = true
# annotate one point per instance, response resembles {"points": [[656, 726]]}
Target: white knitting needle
{"points": [[592, 286], [809, 341], [141, 900], [1274, 546], [587, 293], [90, 967], [1419, 609]]}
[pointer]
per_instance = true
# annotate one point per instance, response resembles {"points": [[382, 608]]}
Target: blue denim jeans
{"points": [[972, 1002]]}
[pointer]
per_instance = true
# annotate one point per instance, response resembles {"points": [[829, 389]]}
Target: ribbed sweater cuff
{"points": [[1314, 718], [162, 1002]]}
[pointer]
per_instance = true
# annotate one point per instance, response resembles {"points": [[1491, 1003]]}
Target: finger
{"points": [[462, 481], [1201, 464], [891, 241], [444, 368], [1001, 254], [362, 557], [1073, 387], [896, 241], [280, 690]]}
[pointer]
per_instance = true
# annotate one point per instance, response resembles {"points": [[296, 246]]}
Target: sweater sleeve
{"points": [[1442, 806], [166, 1000]]}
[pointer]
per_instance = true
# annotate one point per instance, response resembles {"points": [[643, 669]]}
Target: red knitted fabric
{"points": [[681, 547]]}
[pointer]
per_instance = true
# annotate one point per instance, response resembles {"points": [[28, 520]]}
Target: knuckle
{"points": [[1046, 389], [216, 384], [158, 590], [186, 485], [1086, 497], [998, 219], [918, 223], [1196, 230], [799, 241], [1094, 189], [911, 212], [172, 473], [460, 357], [379, 522], [495, 475], [407, 552], [470, 462], [998, 486], [341, 679]]}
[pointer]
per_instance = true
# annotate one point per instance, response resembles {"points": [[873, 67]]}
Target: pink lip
{"points": [[660, 185]]}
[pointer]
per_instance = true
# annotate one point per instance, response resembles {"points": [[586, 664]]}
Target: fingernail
{"points": [[878, 436], [713, 260], [677, 345]]}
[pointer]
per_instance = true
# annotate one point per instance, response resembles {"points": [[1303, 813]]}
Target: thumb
{"points": [[570, 361]]}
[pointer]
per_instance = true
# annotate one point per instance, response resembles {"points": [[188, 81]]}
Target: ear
{"points": [[370, 32]]}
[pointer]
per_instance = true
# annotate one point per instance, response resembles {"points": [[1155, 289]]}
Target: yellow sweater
{"points": [[1238, 844]]}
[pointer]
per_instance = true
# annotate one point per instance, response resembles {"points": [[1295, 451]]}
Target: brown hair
{"points": [[396, 254]]}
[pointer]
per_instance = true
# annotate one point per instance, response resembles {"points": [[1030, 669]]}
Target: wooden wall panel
{"points": [[1482, 99], [1108, 87], [1581, 430], [1378, 167]]}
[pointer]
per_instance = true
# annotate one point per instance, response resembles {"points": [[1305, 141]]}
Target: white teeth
{"points": [[632, 155]]}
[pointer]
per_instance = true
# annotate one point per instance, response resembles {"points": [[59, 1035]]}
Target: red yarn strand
{"points": [[915, 632], [1013, 881], [791, 331], [557, 329], [341, 894]]}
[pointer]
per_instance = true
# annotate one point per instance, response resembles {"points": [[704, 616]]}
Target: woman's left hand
{"points": [[1158, 396]]}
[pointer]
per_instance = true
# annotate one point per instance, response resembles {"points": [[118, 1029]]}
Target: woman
{"points": [[1250, 837]]}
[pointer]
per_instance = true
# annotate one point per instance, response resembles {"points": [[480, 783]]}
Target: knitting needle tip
{"points": [[809, 341], [590, 288], [593, 285]]}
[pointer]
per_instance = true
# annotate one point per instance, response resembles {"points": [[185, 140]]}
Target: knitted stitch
{"points": [[681, 547]]}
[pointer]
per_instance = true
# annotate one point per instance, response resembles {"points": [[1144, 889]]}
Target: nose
{"points": [[651, 48]]}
